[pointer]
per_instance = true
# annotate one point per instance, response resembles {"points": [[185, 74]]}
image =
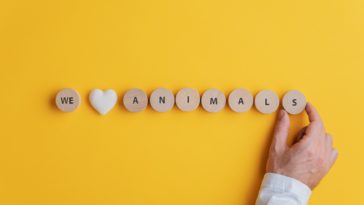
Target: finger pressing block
{"points": [[240, 100], [213, 100], [187, 99], [294, 102], [135, 100], [266, 101], [68, 100], [162, 100]]}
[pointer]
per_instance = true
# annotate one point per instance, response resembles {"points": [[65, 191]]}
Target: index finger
{"points": [[316, 127], [312, 113]]}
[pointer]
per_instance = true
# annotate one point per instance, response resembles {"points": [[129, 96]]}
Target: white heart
{"points": [[103, 101]]}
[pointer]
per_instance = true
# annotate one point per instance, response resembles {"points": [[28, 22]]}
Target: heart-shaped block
{"points": [[103, 101]]}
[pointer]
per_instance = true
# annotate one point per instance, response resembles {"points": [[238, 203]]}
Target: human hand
{"points": [[309, 158]]}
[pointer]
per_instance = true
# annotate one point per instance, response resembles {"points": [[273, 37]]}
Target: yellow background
{"points": [[49, 157]]}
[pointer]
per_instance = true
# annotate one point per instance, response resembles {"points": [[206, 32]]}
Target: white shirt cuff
{"points": [[277, 183]]}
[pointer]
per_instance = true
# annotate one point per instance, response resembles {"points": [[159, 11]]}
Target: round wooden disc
{"points": [[162, 100], [135, 100], [240, 100], [187, 99], [213, 100], [294, 102], [68, 100], [266, 101]]}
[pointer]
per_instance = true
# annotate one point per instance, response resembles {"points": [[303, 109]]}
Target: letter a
{"points": [[135, 100]]}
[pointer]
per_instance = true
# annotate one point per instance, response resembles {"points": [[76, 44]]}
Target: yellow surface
{"points": [[48, 157]]}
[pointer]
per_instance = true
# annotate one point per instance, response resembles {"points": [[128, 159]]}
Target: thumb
{"points": [[281, 129]]}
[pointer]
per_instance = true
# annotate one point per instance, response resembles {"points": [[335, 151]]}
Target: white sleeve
{"points": [[277, 189]]}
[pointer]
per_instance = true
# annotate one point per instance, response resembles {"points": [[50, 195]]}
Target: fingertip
{"points": [[334, 154], [308, 104], [308, 107], [281, 131], [282, 114], [329, 140], [285, 112], [312, 113], [333, 158], [284, 118]]}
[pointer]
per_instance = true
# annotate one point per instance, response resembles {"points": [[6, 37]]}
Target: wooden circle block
{"points": [[266, 101], [162, 100], [187, 99], [294, 102], [135, 100], [240, 100], [68, 100], [213, 100]]}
